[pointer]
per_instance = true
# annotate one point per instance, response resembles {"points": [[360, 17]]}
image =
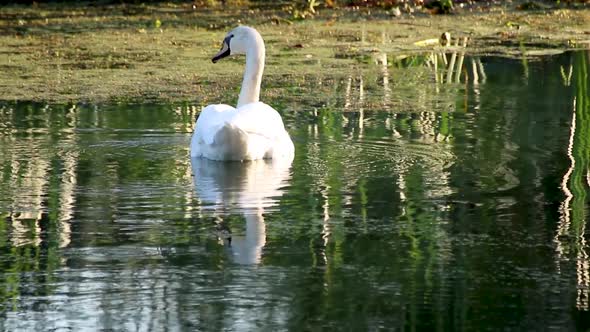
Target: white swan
{"points": [[251, 131]]}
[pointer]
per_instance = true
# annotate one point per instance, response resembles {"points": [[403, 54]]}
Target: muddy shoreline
{"points": [[161, 53]]}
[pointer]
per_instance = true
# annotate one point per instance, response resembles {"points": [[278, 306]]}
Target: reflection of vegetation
{"points": [[447, 67], [371, 182], [36, 192], [571, 231], [581, 144], [525, 62], [46, 167]]}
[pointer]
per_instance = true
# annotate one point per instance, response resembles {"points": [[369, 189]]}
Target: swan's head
{"points": [[238, 41]]}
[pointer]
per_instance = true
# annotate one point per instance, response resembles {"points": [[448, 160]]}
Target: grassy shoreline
{"points": [[65, 53]]}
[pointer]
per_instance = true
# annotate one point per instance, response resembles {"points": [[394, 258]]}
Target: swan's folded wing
{"points": [[259, 119], [211, 120]]}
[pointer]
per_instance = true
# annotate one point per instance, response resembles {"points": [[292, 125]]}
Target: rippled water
{"points": [[413, 202]]}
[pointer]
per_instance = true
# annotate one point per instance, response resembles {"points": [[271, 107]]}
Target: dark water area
{"points": [[417, 200]]}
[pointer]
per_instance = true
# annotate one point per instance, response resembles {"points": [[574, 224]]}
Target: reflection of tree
{"points": [[412, 146], [570, 237], [459, 208], [364, 167], [38, 184], [50, 178]]}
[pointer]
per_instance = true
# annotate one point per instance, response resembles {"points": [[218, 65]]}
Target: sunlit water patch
{"points": [[417, 199]]}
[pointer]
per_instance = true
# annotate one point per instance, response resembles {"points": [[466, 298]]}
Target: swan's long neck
{"points": [[250, 91]]}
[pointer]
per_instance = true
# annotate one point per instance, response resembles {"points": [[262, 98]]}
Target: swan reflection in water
{"points": [[246, 187]]}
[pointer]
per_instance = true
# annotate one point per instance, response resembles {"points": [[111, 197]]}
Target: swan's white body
{"points": [[251, 131]]}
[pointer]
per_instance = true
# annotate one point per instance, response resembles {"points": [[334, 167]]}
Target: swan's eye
{"points": [[228, 39]]}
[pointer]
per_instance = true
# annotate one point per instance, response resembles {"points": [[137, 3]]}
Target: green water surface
{"points": [[418, 199]]}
